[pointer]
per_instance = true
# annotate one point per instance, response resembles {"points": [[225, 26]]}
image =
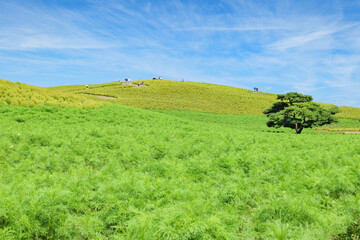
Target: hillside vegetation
{"points": [[174, 95], [117, 172], [19, 94], [156, 94], [192, 96]]}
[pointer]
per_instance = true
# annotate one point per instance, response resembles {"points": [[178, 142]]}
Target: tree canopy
{"points": [[298, 111]]}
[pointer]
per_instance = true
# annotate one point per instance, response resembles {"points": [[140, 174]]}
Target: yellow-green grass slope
{"points": [[200, 97], [156, 94], [19, 94], [174, 95]]}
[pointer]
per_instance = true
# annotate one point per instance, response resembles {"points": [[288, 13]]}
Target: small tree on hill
{"points": [[298, 111]]}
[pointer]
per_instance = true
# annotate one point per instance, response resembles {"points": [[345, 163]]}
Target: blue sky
{"points": [[310, 47]]}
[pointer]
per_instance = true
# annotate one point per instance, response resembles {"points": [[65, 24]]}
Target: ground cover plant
{"points": [[118, 172]]}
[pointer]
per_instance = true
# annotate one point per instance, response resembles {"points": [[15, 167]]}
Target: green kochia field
{"points": [[118, 172]]}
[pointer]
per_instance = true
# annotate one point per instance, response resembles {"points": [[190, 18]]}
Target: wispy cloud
{"points": [[234, 29], [300, 40], [307, 37]]}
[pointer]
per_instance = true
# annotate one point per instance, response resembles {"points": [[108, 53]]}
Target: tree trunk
{"points": [[298, 129]]}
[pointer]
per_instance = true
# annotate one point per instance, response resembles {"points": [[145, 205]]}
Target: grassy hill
{"points": [[156, 94], [199, 97], [174, 95]]}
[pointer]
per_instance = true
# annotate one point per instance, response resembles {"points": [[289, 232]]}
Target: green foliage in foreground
{"points": [[297, 111], [122, 173]]}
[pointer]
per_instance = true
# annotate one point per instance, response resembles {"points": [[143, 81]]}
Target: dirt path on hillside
{"points": [[99, 96], [104, 97], [108, 97], [357, 132]]}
